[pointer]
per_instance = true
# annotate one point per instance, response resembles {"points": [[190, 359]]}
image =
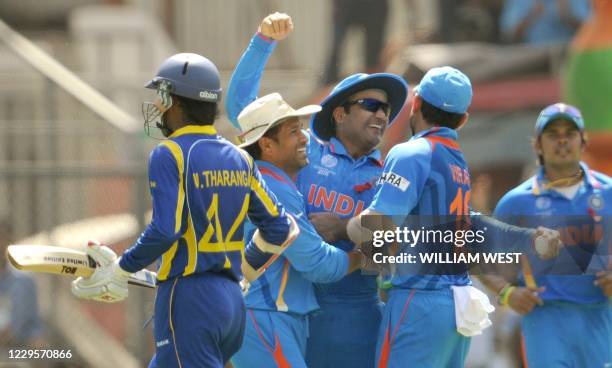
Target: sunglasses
{"points": [[371, 105]]}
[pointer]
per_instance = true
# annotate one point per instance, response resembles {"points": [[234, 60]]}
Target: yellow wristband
{"points": [[504, 296]]}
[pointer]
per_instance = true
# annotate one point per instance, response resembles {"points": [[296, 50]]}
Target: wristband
{"points": [[504, 294]]}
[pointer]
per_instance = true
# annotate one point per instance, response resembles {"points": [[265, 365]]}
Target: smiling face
{"points": [[287, 148], [560, 145], [359, 129]]}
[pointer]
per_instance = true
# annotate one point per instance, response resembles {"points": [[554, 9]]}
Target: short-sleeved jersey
{"points": [[584, 224], [426, 176], [287, 285], [203, 188]]}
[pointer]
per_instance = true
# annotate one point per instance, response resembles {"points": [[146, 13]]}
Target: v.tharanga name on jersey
{"points": [[221, 178]]}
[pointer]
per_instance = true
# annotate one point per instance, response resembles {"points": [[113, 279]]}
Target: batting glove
{"points": [[108, 283]]}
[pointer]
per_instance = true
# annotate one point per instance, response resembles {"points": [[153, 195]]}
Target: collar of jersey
{"points": [[439, 131], [267, 168], [540, 180], [337, 148], [194, 129]]}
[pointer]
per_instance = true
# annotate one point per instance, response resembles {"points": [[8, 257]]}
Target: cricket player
{"points": [[426, 176], [202, 189], [337, 184], [280, 302], [567, 318]]}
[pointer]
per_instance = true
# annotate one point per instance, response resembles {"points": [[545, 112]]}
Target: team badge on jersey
{"points": [[543, 203], [329, 161], [394, 179], [596, 202]]}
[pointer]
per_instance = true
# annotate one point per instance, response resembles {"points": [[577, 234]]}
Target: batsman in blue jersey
{"points": [[337, 184], [567, 315], [279, 303], [202, 189]]}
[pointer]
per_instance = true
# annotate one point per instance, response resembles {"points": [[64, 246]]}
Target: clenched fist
{"points": [[276, 26]]}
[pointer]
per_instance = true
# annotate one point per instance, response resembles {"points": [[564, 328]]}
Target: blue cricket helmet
{"points": [[189, 75]]}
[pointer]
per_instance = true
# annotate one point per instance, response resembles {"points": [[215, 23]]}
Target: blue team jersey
{"points": [[425, 176], [202, 188], [332, 182], [583, 222], [335, 182], [286, 285]]}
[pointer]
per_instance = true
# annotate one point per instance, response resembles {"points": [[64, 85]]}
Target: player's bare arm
{"points": [[330, 226], [520, 299]]}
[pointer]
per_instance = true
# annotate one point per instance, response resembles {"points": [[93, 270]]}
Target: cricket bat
{"points": [[65, 261]]}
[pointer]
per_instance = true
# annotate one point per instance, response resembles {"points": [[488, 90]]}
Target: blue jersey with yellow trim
{"points": [[584, 224], [425, 176], [332, 182], [202, 188], [287, 284]]}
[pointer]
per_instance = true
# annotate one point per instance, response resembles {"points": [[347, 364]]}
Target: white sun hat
{"points": [[264, 113]]}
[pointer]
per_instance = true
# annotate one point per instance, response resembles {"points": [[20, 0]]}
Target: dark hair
{"points": [[254, 150], [198, 112], [434, 115]]}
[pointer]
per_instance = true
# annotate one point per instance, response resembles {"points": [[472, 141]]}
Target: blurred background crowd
{"points": [[73, 152]]}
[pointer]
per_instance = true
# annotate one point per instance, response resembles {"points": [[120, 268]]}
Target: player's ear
{"points": [[265, 144], [584, 139], [416, 104], [537, 145], [463, 121], [339, 114]]}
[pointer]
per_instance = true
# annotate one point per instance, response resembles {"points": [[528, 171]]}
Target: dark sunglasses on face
{"points": [[371, 104]]}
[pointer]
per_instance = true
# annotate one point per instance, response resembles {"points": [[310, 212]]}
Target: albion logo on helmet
{"points": [[208, 95]]}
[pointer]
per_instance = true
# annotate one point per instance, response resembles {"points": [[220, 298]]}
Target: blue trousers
{"points": [[563, 334], [418, 329], [273, 339], [199, 321], [344, 335]]}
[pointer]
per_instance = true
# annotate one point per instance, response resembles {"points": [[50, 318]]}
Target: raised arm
{"points": [[244, 83]]}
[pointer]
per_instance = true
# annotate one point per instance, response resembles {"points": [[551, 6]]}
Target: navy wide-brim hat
{"points": [[322, 125]]}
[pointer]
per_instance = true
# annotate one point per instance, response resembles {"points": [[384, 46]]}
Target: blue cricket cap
{"points": [[559, 111], [447, 89]]}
